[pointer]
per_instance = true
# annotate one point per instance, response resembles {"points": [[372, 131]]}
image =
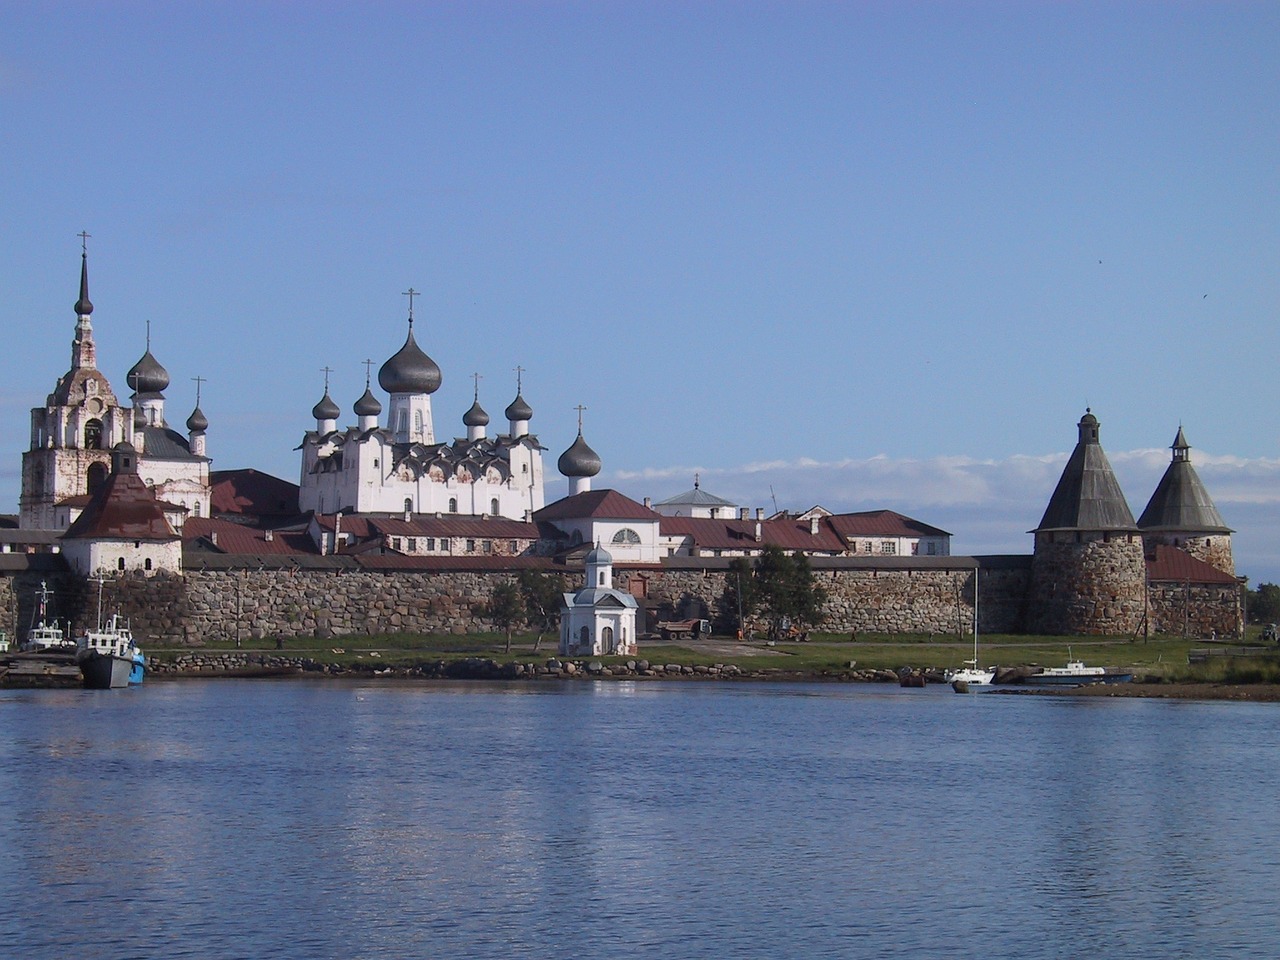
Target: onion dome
{"points": [[475, 417], [519, 410], [326, 409], [197, 422], [367, 405], [410, 370], [579, 460], [598, 555], [83, 306], [147, 376]]}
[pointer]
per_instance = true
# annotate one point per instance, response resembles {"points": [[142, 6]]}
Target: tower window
{"points": [[93, 435], [453, 504], [493, 506]]}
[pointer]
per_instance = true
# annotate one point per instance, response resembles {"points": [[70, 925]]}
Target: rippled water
{"points": [[339, 819]]}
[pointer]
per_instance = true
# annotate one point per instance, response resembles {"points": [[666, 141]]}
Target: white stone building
{"points": [[401, 469], [598, 620], [73, 434]]}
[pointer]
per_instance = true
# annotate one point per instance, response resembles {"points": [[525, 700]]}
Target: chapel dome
{"points": [[197, 422], [579, 460], [147, 376], [410, 371], [475, 417], [326, 409], [519, 410], [367, 405]]}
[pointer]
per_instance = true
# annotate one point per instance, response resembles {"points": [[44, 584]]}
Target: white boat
{"points": [[44, 637], [108, 656], [970, 674], [1074, 674]]}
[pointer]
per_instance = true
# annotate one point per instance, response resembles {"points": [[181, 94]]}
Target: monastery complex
{"points": [[389, 529]]}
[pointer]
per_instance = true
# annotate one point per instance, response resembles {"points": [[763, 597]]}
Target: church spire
{"points": [[84, 354]]}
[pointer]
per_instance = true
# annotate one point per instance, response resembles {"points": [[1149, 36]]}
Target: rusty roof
{"points": [[1170, 563], [252, 492], [596, 505], [789, 534], [123, 508], [881, 523], [198, 534]]}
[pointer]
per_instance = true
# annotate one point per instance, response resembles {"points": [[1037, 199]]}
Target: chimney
{"points": [[813, 526], [337, 531], [408, 515], [759, 531], [213, 537], [744, 513], [759, 513], [269, 535]]}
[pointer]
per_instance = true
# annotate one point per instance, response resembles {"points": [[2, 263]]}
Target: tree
{"points": [[543, 595], [738, 602], [1264, 603], [506, 608], [778, 586]]}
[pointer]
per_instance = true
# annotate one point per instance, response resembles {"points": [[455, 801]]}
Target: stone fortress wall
{"points": [[258, 604]]}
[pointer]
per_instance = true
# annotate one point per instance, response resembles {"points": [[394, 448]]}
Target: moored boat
{"points": [[108, 656], [45, 636], [1075, 674]]}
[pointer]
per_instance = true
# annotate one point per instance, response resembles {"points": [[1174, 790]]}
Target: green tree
{"points": [[1264, 603], [543, 595], [783, 590], [506, 608], [738, 602]]}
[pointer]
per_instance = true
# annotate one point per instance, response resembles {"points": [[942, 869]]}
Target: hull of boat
{"points": [[104, 672], [1077, 680]]}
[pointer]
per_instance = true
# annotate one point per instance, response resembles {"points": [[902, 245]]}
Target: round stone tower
{"points": [[1181, 514], [1088, 572]]}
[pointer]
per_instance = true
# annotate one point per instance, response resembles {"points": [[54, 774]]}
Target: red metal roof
{"points": [[881, 523], [1170, 563], [789, 534], [252, 492], [123, 508], [236, 538], [596, 505]]}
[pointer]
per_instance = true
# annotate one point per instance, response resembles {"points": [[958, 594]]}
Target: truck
{"points": [[690, 629]]}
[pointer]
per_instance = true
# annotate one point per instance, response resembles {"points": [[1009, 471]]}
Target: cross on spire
{"points": [[199, 380], [410, 293], [519, 372], [84, 246], [368, 367], [580, 408], [326, 371], [476, 377]]}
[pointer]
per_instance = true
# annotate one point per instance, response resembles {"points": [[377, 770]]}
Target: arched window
{"points": [[402, 421], [195, 510], [408, 505], [493, 506], [96, 475], [417, 421], [146, 564], [584, 636], [120, 563], [607, 636], [453, 504], [628, 536], [93, 435]]}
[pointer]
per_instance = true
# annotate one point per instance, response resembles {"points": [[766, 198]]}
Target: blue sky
{"points": [[864, 255]]}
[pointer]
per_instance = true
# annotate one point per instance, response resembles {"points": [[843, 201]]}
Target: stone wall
{"points": [[1195, 609], [1087, 583]]}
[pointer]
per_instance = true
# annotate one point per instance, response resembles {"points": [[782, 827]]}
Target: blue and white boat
{"points": [[108, 657], [1075, 674]]}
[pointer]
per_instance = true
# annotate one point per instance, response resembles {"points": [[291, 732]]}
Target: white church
{"points": [[74, 433], [402, 469]]}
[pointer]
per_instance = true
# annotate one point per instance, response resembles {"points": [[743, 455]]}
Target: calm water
{"points": [[319, 819]]}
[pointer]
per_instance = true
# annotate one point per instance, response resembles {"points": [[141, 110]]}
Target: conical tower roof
{"points": [[1088, 496], [1181, 502]]}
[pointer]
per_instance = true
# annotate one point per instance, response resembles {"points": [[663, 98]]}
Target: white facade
{"points": [[109, 557], [598, 620]]}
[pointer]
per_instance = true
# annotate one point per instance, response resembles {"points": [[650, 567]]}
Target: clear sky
{"points": [[858, 254]]}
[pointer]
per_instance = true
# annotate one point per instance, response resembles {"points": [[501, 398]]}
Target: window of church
{"points": [[628, 536], [417, 421], [493, 506], [146, 564], [120, 563], [453, 504], [93, 435]]}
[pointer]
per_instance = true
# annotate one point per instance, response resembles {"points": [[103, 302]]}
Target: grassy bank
{"points": [[1161, 659]]}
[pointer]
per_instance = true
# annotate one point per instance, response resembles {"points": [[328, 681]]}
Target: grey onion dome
{"points": [[367, 405], [83, 306], [475, 417], [579, 460], [197, 422], [598, 554], [326, 409], [409, 371], [147, 376], [519, 410]]}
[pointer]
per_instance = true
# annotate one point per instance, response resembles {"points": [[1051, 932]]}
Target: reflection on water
{"points": [[316, 819]]}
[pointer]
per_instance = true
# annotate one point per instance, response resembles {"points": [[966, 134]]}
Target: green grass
{"points": [[1160, 658]]}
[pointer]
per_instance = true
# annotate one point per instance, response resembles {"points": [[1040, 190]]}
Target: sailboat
{"points": [[970, 674]]}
